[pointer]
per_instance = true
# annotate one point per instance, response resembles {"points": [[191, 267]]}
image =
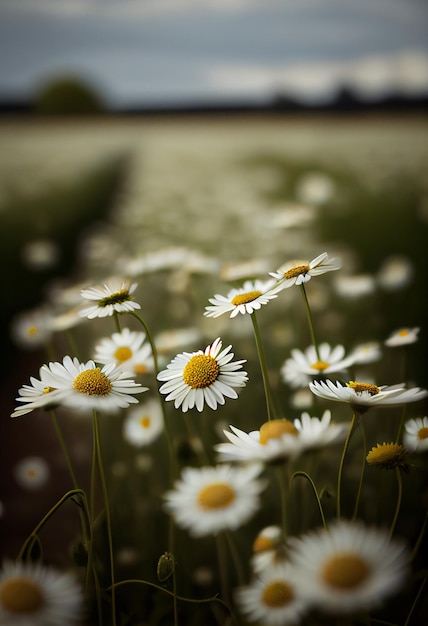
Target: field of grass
{"points": [[189, 208]]}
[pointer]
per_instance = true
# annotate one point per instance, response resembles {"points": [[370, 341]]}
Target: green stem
{"points": [[38, 528], [342, 460], [311, 324], [107, 510], [64, 448], [222, 566], [420, 537], [116, 321], [262, 361], [401, 426], [418, 595], [311, 482], [283, 488], [363, 467], [72, 343], [399, 498]]}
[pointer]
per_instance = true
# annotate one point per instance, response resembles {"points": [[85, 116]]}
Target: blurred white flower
{"points": [[143, 423], [31, 472], [415, 436], [402, 337]]}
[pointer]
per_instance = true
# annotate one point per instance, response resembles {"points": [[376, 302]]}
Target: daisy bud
{"points": [[166, 566]]}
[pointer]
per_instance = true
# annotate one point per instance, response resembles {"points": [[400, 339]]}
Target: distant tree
{"points": [[67, 95]]}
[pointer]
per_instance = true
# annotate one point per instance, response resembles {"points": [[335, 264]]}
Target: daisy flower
{"points": [[32, 329], [247, 299], [109, 299], [354, 287], [298, 370], [349, 568], [83, 386], [415, 437], [268, 548], [316, 433], [272, 598], [127, 350], [299, 272], [388, 456], [31, 473], [368, 352], [361, 396], [38, 394], [276, 439], [402, 337], [207, 500], [143, 423], [195, 378], [32, 594]]}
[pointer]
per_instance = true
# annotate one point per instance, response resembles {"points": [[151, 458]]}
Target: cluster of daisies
{"points": [[344, 567]]}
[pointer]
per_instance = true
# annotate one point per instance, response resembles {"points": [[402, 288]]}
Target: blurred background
{"points": [[225, 137]]}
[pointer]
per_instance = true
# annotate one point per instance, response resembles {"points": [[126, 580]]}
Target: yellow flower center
{"points": [[277, 593], [345, 571], [243, 298], [21, 595], [93, 383], [216, 496], [373, 390], [201, 371], [140, 369], [320, 365], [403, 333], [262, 543], [145, 421], [274, 429], [48, 389], [32, 330], [386, 455], [297, 271], [123, 354], [115, 298], [31, 473], [423, 433]]}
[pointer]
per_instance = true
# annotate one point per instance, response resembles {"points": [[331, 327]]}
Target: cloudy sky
{"points": [[169, 51]]}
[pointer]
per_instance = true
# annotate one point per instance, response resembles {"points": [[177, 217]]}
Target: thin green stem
{"points": [[64, 448], [342, 460], [399, 498], [262, 360], [283, 489], [235, 556], [311, 482], [72, 343], [46, 518], [116, 321], [401, 426], [222, 566], [363, 467], [107, 510], [420, 537], [310, 321]]}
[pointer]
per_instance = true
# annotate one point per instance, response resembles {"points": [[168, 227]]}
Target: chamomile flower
{"points": [[115, 297], [402, 337], [83, 386], [361, 396], [32, 329], [349, 568], [368, 352], [300, 271], [127, 350], [143, 423], [38, 394], [388, 456], [34, 595], [207, 500], [300, 369], [415, 436], [247, 299], [31, 472], [276, 439], [193, 379], [268, 548], [272, 598], [316, 433]]}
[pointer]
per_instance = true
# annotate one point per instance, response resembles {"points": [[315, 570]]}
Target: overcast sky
{"points": [[154, 51]]}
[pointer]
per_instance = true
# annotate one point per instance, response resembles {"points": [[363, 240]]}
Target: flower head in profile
{"points": [[300, 369], [388, 456], [143, 423], [115, 297], [193, 379], [415, 436], [127, 349], [272, 598], [207, 500], [349, 568], [268, 548], [31, 593], [402, 337], [361, 396], [247, 299], [301, 271], [38, 394], [83, 386]]}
